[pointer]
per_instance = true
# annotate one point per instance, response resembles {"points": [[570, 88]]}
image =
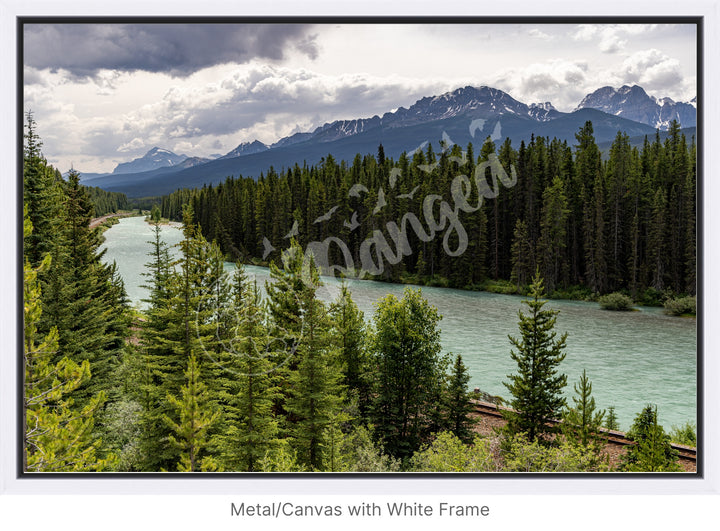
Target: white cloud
{"points": [[135, 144], [653, 70], [540, 35], [558, 81]]}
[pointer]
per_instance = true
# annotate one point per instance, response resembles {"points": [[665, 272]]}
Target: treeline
{"points": [[105, 202], [590, 226]]}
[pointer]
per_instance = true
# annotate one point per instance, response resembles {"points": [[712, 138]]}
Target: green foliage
{"points": [[155, 214], [348, 331], [685, 434], [58, 436], [652, 451], [195, 414], [681, 306], [405, 346], [281, 459], [179, 325], [447, 453], [248, 390], [457, 402], [523, 455], [600, 226], [581, 423], [105, 202], [314, 391], [616, 301], [366, 456], [537, 387], [123, 433], [611, 420]]}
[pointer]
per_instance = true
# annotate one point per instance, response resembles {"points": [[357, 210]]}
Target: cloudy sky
{"points": [[104, 94]]}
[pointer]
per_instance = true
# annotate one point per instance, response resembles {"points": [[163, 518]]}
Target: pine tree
{"points": [[196, 415], [581, 423], [458, 405], [348, 329], [537, 387], [42, 194], [315, 393], [179, 324], [58, 436], [247, 387], [523, 255], [553, 231], [653, 452], [611, 421]]}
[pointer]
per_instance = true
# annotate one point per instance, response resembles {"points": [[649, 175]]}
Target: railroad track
{"points": [[687, 454]]}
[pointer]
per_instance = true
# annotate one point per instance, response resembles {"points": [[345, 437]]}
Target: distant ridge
{"points": [[467, 114]]}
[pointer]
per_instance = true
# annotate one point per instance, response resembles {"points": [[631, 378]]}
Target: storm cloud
{"points": [[176, 49]]}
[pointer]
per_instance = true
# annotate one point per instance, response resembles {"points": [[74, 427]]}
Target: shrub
{"points": [[524, 456], [616, 302], [681, 306], [651, 297], [447, 453], [684, 435]]}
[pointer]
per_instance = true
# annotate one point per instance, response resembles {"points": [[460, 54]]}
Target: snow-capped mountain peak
{"points": [[152, 160], [633, 103], [246, 148]]}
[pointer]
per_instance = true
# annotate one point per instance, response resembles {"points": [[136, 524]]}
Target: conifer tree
{"points": [[581, 423], [553, 232], [348, 329], [522, 254], [611, 421], [247, 387], [652, 452], [57, 436], [179, 324], [315, 393], [458, 404], [196, 414], [537, 387]]}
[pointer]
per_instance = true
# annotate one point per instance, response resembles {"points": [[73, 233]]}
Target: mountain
{"points": [[468, 114], [635, 104], [152, 160], [471, 102], [246, 148]]}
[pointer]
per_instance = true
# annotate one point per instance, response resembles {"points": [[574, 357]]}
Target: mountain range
{"points": [[468, 114]]}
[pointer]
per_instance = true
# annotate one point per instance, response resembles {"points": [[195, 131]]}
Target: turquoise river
{"points": [[632, 358]]}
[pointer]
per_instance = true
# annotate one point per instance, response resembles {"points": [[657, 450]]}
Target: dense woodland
{"points": [[214, 377], [591, 226]]}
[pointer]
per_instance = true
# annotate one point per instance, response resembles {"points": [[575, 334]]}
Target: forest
{"points": [[591, 224], [215, 377]]}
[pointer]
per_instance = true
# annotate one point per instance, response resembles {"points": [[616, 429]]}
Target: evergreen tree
{"points": [[179, 324], [522, 254], [315, 391], [405, 346], [611, 421], [348, 329], [42, 194], [458, 404], [58, 436], [581, 423], [553, 233], [652, 452], [196, 416], [537, 387], [247, 387]]}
